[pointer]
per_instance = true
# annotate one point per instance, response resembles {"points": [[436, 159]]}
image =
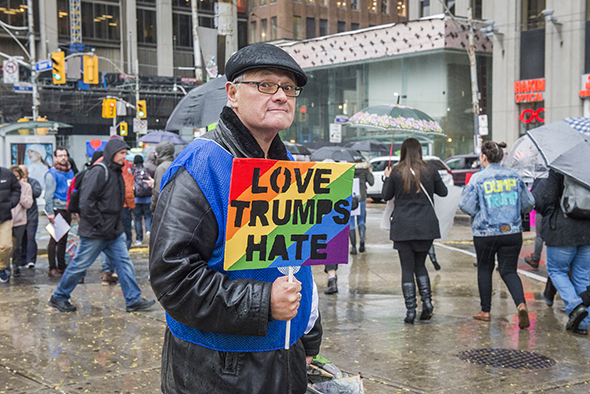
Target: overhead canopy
{"points": [[37, 124]]}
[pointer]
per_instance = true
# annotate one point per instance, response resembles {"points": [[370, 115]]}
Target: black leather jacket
{"points": [[183, 238]]}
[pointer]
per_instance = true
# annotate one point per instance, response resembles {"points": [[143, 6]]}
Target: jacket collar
{"points": [[239, 140]]}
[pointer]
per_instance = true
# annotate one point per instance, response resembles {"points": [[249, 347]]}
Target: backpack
{"points": [[140, 188], [575, 200], [73, 204]]}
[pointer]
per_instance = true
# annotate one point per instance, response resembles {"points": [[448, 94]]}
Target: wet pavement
{"points": [[103, 349]]}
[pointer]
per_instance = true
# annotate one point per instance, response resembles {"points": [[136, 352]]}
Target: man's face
{"points": [[120, 156], [61, 157], [260, 112]]}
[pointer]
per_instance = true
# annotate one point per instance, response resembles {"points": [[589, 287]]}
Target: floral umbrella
{"points": [[397, 118]]}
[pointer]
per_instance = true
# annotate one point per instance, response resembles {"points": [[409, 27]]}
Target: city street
{"points": [[103, 349]]}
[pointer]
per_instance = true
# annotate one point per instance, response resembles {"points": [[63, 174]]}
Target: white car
{"points": [[379, 164]]}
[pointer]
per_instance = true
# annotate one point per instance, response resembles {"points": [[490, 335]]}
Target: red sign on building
{"points": [[529, 90]]}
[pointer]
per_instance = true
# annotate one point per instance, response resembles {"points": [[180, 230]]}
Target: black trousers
{"points": [[412, 256], [58, 249], [507, 248]]}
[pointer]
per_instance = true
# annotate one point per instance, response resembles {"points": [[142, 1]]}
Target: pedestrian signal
{"points": [[59, 68], [109, 108], [141, 109], [123, 128], [90, 69]]}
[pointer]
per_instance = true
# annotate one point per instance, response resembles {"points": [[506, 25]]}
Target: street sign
{"points": [[341, 119], [10, 68], [482, 121], [23, 87], [140, 126], [335, 132], [44, 65]]}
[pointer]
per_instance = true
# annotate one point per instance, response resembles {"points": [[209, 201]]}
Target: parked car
{"points": [[379, 164], [462, 165]]}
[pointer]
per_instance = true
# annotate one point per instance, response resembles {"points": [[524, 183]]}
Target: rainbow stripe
{"points": [[283, 213]]}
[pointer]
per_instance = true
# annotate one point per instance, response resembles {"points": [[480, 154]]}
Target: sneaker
{"points": [[31, 265], [16, 272], [147, 234], [548, 301], [4, 276], [530, 261], [138, 242], [140, 305], [62, 306]]}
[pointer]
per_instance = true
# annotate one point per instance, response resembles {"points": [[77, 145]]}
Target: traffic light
{"points": [[59, 68], [141, 109], [91, 69], [123, 128], [109, 108], [302, 113]]}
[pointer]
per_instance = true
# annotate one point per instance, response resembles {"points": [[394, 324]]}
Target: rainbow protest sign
{"points": [[286, 213]]}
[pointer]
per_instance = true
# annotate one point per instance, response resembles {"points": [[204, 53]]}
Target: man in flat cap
{"points": [[226, 329]]}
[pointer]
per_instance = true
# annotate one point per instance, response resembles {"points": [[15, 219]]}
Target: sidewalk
{"points": [[102, 349]]}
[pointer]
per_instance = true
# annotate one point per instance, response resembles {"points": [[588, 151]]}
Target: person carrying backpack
{"points": [[143, 199], [102, 196], [568, 249]]}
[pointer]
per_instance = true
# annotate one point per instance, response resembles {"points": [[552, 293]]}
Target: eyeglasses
{"points": [[271, 88]]}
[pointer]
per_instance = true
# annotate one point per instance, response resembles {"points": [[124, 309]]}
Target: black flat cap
{"points": [[262, 55]]}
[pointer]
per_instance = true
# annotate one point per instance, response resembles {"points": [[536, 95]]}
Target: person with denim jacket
{"points": [[495, 198]]}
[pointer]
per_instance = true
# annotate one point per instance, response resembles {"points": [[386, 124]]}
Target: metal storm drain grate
{"points": [[507, 358]]}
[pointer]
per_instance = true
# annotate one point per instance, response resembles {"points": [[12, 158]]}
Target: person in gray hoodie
{"points": [[165, 156]]}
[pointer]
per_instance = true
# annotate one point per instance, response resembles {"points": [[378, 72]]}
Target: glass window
{"points": [[424, 8], [372, 5], [354, 26], [354, 4], [273, 1], [262, 2], [341, 27], [402, 8], [182, 3], [476, 7], [263, 28], [63, 15], [454, 164], [532, 18], [100, 21], [253, 32], [182, 26], [251, 4], [310, 1], [205, 21], [310, 28], [323, 27], [146, 26], [273, 28], [341, 3], [451, 6], [385, 7], [297, 28], [324, 3], [13, 12]]}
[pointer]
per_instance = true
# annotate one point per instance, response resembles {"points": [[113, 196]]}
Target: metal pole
{"points": [[33, 59], [474, 87], [196, 45], [136, 95]]}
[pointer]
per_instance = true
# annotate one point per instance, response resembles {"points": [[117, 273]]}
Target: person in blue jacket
{"points": [[495, 198]]}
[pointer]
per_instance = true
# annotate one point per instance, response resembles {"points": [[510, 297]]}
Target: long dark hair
{"points": [[411, 159], [493, 151]]}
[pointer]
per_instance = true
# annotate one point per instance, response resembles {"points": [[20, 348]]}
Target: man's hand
{"points": [[284, 298], [308, 359], [51, 217]]}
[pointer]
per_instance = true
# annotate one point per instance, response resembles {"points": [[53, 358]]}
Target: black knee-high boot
{"points": [[426, 294], [585, 296], [432, 255], [409, 290], [362, 230], [352, 236]]}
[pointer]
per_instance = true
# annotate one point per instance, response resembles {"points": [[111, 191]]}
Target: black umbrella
{"points": [[200, 107], [368, 146], [296, 149], [336, 153]]}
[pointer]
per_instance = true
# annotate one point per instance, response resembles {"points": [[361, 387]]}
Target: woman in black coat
{"points": [[414, 225]]}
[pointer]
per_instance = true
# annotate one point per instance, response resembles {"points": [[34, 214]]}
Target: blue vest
{"points": [[211, 165], [62, 183]]}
